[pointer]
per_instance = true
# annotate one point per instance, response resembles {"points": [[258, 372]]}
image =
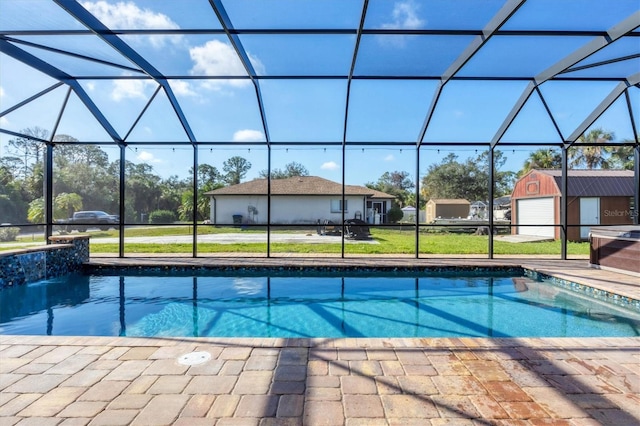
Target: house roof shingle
{"points": [[595, 183], [298, 185]]}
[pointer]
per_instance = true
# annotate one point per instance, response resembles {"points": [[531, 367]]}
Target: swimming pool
{"points": [[304, 304]]}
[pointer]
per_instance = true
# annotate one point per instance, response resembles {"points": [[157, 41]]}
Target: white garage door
{"points": [[537, 212]]}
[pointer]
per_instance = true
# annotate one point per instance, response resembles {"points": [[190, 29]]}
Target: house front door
{"points": [[378, 212]]}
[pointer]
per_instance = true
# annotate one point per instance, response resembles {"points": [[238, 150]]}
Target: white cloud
{"points": [[258, 66], [216, 58], [1, 92], [182, 88], [248, 135], [130, 89], [389, 157], [329, 165], [405, 16], [127, 15], [147, 157]]}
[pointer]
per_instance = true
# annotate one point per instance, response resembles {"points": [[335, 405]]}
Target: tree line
{"points": [[85, 178], [468, 179]]}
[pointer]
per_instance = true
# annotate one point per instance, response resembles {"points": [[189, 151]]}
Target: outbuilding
{"points": [[441, 208], [595, 197]]}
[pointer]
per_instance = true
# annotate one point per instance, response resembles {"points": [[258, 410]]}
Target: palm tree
{"points": [[623, 156], [36, 211], [63, 207], [186, 206], [65, 204], [542, 159], [592, 156]]}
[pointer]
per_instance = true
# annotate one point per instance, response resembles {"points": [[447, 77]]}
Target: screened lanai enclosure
{"points": [[300, 127]]}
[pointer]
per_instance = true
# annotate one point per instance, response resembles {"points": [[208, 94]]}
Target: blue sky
{"points": [[304, 111]]}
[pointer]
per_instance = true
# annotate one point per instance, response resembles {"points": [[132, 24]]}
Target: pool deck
{"points": [[47, 380]]}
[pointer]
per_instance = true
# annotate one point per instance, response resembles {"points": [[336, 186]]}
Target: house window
{"points": [[336, 206]]}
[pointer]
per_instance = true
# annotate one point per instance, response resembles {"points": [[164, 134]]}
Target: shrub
{"points": [[162, 216], [394, 214], [9, 234]]}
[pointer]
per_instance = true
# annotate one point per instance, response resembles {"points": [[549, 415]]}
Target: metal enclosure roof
{"points": [[331, 72]]}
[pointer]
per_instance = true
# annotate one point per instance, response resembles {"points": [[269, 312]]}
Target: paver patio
{"points": [[495, 381], [463, 381]]}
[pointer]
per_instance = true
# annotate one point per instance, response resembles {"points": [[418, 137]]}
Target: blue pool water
{"points": [[393, 305]]}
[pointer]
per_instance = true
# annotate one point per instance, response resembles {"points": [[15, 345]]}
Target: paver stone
{"points": [[411, 406], [161, 410], [224, 406], [323, 413], [362, 406]]}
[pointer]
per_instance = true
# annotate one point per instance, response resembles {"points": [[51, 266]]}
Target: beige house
{"points": [[297, 200], [440, 208]]}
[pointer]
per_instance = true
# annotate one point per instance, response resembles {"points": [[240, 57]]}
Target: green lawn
{"points": [[390, 242]]}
